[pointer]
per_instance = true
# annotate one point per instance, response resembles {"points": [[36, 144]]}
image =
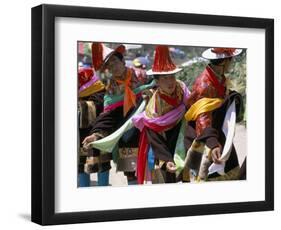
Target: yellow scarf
{"points": [[94, 88], [202, 106]]}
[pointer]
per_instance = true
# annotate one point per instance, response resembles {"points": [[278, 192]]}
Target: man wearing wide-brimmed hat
{"points": [[161, 151], [211, 119], [113, 131]]}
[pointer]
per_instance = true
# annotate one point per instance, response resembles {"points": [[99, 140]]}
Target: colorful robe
{"points": [[121, 100], [209, 101], [160, 125], [89, 108]]}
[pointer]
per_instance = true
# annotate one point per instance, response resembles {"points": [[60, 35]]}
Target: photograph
{"points": [[156, 114]]}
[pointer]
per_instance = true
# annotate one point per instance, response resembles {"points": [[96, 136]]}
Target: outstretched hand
{"points": [[216, 154], [88, 140], [171, 167]]}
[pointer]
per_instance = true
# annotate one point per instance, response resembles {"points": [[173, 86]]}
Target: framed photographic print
{"points": [[143, 114]]}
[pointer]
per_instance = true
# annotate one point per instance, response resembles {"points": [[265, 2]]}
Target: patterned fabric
{"points": [[206, 86], [98, 163], [166, 120], [198, 158], [113, 101], [115, 88], [162, 103], [94, 88], [87, 84], [118, 103], [116, 132], [127, 159], [89, 108], [85, 75], [88, 114], [157, 117]]}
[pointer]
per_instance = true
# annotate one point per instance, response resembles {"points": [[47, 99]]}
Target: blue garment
{"points": [[83, 180], [132, 182], [103, 178], [150, 159]]}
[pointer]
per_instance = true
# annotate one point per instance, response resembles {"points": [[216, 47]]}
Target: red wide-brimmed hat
{"points": [[163, 64], [220, 53], [101, 54]]}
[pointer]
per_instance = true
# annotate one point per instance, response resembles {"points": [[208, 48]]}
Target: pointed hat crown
{"points": [[163, 64], [101, 54]]}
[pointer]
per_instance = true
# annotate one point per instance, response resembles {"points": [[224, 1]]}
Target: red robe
{"points": [[207, 85], [207, 126]]}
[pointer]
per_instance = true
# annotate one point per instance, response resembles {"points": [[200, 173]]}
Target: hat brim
{"points": [[150, 72], [208, 54]]}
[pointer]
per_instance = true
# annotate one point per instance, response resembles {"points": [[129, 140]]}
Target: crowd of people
{"points": [[151, 125]]}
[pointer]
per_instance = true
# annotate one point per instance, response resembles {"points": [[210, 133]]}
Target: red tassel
{"points": [[162, 60], [228, 51], [142, 156], [97, 55]]}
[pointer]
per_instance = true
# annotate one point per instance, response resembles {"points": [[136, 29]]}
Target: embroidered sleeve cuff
{"points": [[212, 142]]}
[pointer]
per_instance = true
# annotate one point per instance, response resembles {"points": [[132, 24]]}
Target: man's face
{"points": [[115, 66], [167, 83]]}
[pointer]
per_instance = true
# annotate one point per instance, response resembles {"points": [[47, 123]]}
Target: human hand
{"points": [[216, 154], [171, 167], [88, 140]]}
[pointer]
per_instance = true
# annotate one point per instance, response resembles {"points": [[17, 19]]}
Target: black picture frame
{"points": [[43, 113]]}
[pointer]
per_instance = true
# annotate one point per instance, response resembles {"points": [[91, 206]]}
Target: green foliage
{"points": [[238, 81], [88, 50], [190, 73], [237, 74]]}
